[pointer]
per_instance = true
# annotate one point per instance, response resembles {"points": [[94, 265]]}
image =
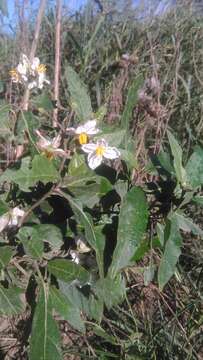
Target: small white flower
{"points": [[11, 218], [85, 131], [50, 147], [97, 152], [82, 246], [75, 256]]}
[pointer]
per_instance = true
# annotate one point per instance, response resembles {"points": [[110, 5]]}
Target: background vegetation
{"points": [[143, 76]]}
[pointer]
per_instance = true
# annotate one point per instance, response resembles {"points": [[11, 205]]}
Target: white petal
{"points": [[32, 85], [17, 212], [93, 160], [56, 141], [111, 153], [75, 257], [24, 78], [102, 142], [89, 148], [4, 221], [22, 69], [43, 143], [60, 152], [35, 63], [71, 129], [90, 127], [80, 129]]}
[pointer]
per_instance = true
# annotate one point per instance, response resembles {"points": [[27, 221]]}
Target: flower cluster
{"points": [[31, 74], [98, 151]]}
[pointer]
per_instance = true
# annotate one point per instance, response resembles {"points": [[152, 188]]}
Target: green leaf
{"points": [[171, 254], [84, 220], [113, 138], [80, 100], [177, 159], [29, 122], [84, 300], [67, 270], [11, 302], [6, 254], [5, 121], [131, 102], [3, 207], [42, 170], [187, 224], [132, 225], [32, 242], [45, 336], [194, 168], [66, 309], [51, 234], [111, 291], [198, 199], [43, 102]]}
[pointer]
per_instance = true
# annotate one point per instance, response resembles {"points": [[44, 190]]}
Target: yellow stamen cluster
{"points": [[100, 150], [14, 74], [49, 154], [41, 68], [83, 138]]}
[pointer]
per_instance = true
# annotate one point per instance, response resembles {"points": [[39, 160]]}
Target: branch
{"points": [[33, 48], [57, 60]]}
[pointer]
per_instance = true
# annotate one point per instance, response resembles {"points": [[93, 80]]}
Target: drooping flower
{"points": [[85, 131], [20, 73], [50, 147], [11, 218], [98, 152]]}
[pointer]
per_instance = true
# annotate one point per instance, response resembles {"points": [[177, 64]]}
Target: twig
{"points": [[33, 49], [57, 60]]}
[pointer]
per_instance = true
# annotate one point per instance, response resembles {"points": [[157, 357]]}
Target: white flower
{"points": [[29, 73], [75, 256], [97, 152], [82, 246], [11, 218], [85, 131], [50, 147]]}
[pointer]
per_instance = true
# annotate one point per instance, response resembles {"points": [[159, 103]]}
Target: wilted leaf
{"points": [[133, 220]]}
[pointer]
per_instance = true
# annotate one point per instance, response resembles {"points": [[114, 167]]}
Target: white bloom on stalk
{"points": [[38, 71], [98, 152], [11, 218], [33, 74], [50, 147], [85, 131]]}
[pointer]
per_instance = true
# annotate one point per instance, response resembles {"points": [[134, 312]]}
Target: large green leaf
{"points": [[5, 121], [187, 224], [32, 242], [29, 122], [66, 309], [6, 253], [84, 220], [84, 299], [51, 234], [45, 336], [111, 291], [131, 102], [11, 302], [194, 168], [177, 159], [132, 225], [42, 170], [80, 100], [171, 254], [67, 270]]}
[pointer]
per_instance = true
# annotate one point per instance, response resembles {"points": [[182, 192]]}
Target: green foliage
{"points": [[132, 226], [194, 168], [45, 337], [80, 100], [11, 301]]}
